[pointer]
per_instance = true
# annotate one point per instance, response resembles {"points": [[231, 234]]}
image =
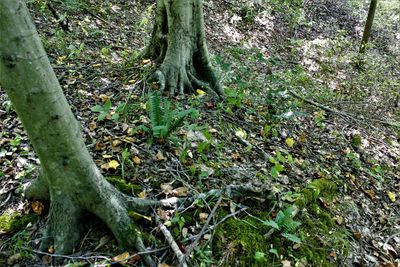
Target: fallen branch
{"points": [[174, 246], [341, 113]]}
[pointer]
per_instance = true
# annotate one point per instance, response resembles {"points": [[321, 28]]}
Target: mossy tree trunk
{"points": [[70, 179], [368, 25], [178, 44]]}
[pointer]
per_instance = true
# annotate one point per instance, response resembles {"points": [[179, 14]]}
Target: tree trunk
{"points": [[69, 178], [178, 44], [368, 25]]}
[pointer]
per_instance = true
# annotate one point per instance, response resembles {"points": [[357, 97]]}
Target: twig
{"points": [[335, 111], [96, 257], [193, 245], [181, 257], [7, 199], [390, 237]]}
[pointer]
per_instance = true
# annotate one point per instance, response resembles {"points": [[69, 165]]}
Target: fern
{"points": [[155, 111], [163, 117]]}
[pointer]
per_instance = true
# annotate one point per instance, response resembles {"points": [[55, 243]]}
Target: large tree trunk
{"points": [[178, 44], [69, 179]]}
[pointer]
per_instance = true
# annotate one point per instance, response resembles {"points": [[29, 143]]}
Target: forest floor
{"points": [[309, 122]]}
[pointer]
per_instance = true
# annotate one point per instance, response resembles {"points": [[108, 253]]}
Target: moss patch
{"points": [[237, 241], [123, 185], [11, 221], [324, 242]]}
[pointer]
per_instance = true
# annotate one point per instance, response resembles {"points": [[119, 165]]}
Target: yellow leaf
{"points": [[113, 164], [121, 257], [107, 156], [136, 160], [290, 142], [37, 207], [145, 61], [392, 196], [142, 194], [136, 215], [200, 92]]}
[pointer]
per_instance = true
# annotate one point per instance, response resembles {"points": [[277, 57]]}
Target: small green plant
{"points": [[285, 224], [19, 241], [16, 141], [106, 109], [234, 98], [280, 158], [164, 118]]}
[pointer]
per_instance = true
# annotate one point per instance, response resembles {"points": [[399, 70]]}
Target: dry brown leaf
{"points": [[203, 217], [92, 125], [181, 191], [104, 98], [166, 188], [286, 263], [159, 156], [163, 265]]}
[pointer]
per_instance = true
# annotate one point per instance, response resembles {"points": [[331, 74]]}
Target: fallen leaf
{"points": [[107, 156], [104, 97], [121, 257], [159, 156], [203, 217], [37, 207], [180, 191], [163, 265], [200, 92], [92, 125], [286, 263], [136, 160], [241, 134], [113, 164], [51, 250], [290, 142], [166, 188], [14, 259], [136, 216], [391, 196], [142, 194], [357, 235]]}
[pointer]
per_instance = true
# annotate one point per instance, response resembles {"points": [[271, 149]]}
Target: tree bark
{"points": [[368, 25], [178, 44], [69, 177]]}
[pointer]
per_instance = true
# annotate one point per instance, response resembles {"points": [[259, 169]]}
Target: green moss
{"points": [[11, 221], [239, 240], [324, 242], [123, 185]]}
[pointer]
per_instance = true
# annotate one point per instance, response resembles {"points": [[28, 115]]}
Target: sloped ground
{"points": [[334, 160]]}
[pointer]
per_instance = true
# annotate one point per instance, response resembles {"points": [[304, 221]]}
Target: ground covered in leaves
{"points": [[305, 116]]}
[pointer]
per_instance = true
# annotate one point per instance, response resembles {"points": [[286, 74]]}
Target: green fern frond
{"points": [[155, 111]]}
